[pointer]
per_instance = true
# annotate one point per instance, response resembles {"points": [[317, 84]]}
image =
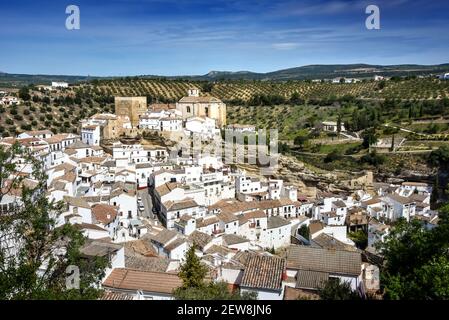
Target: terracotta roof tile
{"points": [[264, 272], [129, 279]]}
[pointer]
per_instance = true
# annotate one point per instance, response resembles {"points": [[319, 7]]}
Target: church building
{"points": [[195, 105]]}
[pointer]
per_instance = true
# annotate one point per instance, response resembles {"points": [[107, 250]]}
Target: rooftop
{"points": [[263, 272], [324, 260], [149, 281]]}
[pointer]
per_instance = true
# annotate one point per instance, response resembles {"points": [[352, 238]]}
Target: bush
{"points": [[354, 150], [9, 122], [18, 117], [301, 140], [440, 157], [24, 94], [25, 127], [373, 159], [332, 156], [336, 289], [304, 231], [26, 112]]}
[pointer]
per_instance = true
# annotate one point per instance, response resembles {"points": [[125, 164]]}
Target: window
{"points": [[188, 109]]}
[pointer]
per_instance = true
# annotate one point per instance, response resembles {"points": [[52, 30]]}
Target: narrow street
{"points": [[146, 199]]}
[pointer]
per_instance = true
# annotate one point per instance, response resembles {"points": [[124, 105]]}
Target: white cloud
{"points": [[285, 45]]}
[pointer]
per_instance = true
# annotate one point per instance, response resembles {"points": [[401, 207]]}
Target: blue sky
{"points": [[179, 37]]}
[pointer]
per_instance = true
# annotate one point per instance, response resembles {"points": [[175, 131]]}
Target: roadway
{"points": [[148, 204]]}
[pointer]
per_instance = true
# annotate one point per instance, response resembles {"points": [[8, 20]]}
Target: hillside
{"points": [[297, 73], [323, 72], [61, 110], [243, 91]]}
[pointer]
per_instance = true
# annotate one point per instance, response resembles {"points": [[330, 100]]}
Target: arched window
{"points": [[207, 111], [188, 109]]}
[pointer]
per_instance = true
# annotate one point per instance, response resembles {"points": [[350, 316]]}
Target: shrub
{"points": [[332, 156], [373, 159], [25, 127]]}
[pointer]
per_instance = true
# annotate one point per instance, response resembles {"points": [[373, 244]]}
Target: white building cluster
{"points": [[147, 207], [171, 121]]}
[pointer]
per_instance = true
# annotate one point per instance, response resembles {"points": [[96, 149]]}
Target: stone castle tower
{"points": [[132, 107]]}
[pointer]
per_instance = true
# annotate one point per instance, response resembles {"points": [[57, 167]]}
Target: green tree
{"points": [[207, 87], [435, 195], [416, 260], [339, 123], [369, 137], [332, 156], [213, 291], [373, 159], [360, 238], [301, 140], [194, 286], [24, 94], [34, 253], [304, 231], [392, 143], [193, 271], [295, 99], [440, 157], [334, 289]]}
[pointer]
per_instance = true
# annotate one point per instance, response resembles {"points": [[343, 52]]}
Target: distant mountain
{"points": [[25, 79], [309, 72], [329, 72]]}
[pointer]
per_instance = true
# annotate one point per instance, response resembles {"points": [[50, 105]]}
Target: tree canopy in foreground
{"points": [[195, 287], [34, 251], [417, 260]]}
